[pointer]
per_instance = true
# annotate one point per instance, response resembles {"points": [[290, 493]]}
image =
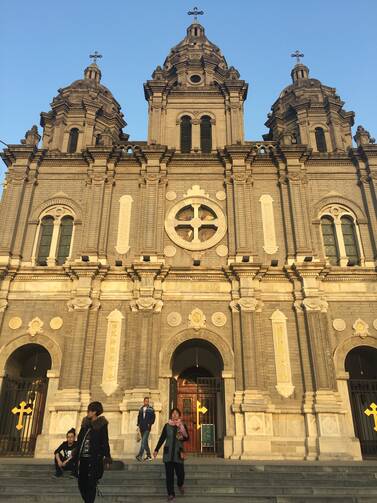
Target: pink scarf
{"points": [[178, 423]]}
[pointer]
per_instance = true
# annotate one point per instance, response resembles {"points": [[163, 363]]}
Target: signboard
{"points": [[208, 436]]}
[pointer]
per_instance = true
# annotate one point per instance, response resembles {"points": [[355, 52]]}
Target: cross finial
{"points": [[195, 12], [96, 55], [297, 54]]}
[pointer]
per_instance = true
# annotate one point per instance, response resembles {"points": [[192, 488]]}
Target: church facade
{"points": [[233, 278]]}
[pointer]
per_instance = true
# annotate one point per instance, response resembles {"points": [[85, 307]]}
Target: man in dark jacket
{"points": [[93, 451], [63, 454], [145, 420]]}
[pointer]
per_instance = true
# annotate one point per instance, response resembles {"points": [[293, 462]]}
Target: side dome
{"points": [[83, 114], [310, 113]]}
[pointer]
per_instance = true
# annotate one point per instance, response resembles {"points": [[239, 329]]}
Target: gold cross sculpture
{"points": [[372, 412], [24, 409], [199, 409]]}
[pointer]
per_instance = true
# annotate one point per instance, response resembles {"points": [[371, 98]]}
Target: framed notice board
{"points": [[208, 439]]}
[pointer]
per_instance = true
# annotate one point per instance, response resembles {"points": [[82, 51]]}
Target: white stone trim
{"points": [[111, 361], [284, 383], [268, 221], [124, 224]]}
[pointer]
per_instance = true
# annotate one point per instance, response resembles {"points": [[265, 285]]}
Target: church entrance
{"points": [[23, 398], [197, 390], [361, 363]]}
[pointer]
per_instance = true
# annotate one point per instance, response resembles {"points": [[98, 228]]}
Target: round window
{"points": [[195, 79], [196, 223]]}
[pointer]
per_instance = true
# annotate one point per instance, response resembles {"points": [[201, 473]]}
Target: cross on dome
{"points": [[297, 54], [96, 55], [195, 12]]}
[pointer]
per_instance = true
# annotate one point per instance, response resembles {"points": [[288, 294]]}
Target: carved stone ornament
{"points": [[360, 328], [170, 251], [315, 304], [171, 195], [15, 323], [375, 324], [220, 195], [174, 319], [146, 304], [56, 323], [339, 324], [197, 319], [35, 327], [246, 304], [218, 319], [3, 305], [222, 251], [79, 304]]}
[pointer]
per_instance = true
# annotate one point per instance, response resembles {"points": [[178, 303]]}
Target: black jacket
{"points": [[65, 450], [99, 444], [145, 423]]}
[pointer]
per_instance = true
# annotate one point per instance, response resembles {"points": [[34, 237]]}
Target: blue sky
{"points": [[45, 45]]}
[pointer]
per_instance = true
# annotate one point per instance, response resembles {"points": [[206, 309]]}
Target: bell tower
{"points": [[195, 100], [310, 113]]}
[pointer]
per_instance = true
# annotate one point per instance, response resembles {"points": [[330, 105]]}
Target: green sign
{"points": [[208, 435]]}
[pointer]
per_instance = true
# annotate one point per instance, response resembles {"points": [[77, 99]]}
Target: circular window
{"points": [[196, 223], [195, 79]]}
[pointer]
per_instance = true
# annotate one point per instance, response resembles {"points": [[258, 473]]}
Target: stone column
{"points": [[96, 185], [71, 397], [153, 174], [287, 219], [18, 158]]}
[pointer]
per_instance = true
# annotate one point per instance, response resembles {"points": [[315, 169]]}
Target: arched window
{"points": [[329, 239], [350, 239], [186, 134], [47, 227], [65, 236], [73, 140], [206, 134], [320, 139]]}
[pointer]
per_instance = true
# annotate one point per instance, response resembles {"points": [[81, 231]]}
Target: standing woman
{"points": [[93, 451], [173, 434]]}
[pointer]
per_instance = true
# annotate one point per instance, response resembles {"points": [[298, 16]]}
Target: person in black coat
{"points": [[63, 455], [145, 420], [93, 451]]}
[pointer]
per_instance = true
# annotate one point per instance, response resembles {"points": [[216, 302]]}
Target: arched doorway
{"points": [[23, 398], [197, 390], [361, 364]]}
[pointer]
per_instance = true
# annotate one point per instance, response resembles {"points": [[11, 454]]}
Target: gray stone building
{"points": [[233, 278]]}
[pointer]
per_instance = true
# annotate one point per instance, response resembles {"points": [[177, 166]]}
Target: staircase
{"points": [[207, 481]]}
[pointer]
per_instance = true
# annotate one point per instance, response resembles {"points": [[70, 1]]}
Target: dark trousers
{"points": [[179, 469], [70, 466], [87, 483]]}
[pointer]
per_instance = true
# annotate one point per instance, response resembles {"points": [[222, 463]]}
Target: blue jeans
{"points": [[144, 446]]}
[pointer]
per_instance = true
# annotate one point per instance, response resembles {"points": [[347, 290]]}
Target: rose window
{"points": [[196, 223]]}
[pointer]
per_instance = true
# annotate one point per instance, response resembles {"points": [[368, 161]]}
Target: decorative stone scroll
{"points": [[111, 362], [197, 319], [146, 304], [284, 384], [35, 326], [361, 328], [268, 221], [124, 224]]}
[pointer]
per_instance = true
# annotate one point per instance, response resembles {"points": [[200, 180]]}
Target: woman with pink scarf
{"points": [[173, 434]]}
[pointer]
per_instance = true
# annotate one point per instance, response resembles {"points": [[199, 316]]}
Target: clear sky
{"points": [[45, 45]]}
